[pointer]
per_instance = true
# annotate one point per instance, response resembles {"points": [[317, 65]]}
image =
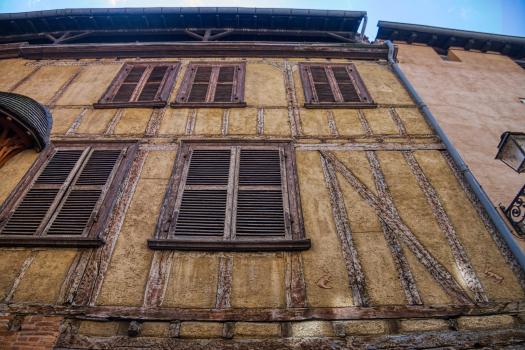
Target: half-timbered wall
{"points": [[392, 222]]}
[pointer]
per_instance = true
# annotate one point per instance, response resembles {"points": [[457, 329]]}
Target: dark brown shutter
{"points": [[202, 210], [322, 85], [38, 201], [345, 84], [259, 200], [153, 84], [128, 86], [224, 88], [85, 195], [199, 88]]}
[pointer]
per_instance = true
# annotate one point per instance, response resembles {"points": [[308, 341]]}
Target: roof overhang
{"points": [[445, 38], [129, 25], [205, 49]]}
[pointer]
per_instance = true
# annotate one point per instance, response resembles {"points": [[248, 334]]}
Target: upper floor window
{"points": [[232, 196], [66, 198], [334, 85], [212, 84], [140, 85]]}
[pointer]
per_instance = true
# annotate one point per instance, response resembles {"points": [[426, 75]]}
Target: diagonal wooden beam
{"points": [[353, 265], [220, 35], [458, 251], [387, 214], [158, 278], [402, 266], [194, 35]]}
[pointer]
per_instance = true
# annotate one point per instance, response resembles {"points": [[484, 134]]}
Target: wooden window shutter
{"points": [[69, 198], [212, 84], [140, 85], [334, 86], [232, 196]]}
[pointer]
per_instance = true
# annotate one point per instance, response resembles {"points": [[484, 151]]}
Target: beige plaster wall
{"points": [[14, 170], [12, 71], [474, 101], [44, 85]]}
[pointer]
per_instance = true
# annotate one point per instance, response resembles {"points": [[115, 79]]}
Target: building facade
{"points": [[234, 186]]}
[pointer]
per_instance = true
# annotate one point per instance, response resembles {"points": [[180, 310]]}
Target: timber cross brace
{"points": [[394, 230]]}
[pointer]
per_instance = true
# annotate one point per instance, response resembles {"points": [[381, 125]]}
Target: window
{"points": [[65, 199], [140, 85], [334, 86], [212, 84], [232, 196]]}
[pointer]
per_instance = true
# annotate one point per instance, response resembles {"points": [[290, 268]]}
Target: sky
{"points": [[489, 16]]}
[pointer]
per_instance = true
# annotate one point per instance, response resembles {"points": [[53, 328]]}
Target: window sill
{"points": [[336, 105], [208, 105], [145, 104], [229, 246], [57, 242]]}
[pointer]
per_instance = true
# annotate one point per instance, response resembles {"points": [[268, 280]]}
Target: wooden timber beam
{"points": [[486, 46], [432, 40], [333, 35], [470, 43], [450, 42], [13, 139], [505, 50], [411, 38], [193, 35]]}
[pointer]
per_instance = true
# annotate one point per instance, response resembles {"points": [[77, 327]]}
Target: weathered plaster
{"points": [[46, 82], [12, 71], [63, 119], [264, 86], [14, 170], [242, 121], [95, 121], [174, 121]]}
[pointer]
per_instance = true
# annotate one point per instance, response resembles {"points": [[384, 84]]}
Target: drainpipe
{"points": [[482, 196], [364, 27]]}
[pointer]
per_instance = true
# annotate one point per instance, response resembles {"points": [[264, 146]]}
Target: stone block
{"points": [[100, 329], [485, 322], [423, 325], [154, 329], [201, 330], [365, 327], [313, 329], [257, 330]]}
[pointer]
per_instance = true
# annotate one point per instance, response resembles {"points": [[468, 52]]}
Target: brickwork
{"points": [[35, 333]]}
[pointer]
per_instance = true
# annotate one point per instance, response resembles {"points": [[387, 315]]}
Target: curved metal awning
{"points": [[24, 123]]}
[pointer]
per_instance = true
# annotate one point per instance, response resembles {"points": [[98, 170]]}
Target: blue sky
{"points": [[490, 16]]}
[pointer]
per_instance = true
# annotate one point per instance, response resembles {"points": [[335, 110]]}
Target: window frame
{"points": [[295, 234], [163, 93], [91, 238], [311, 97], [187, 84]]}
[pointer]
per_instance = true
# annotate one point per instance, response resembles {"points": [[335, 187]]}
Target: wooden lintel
{"points": [[57, 242], [296, 314], [230, 246]]}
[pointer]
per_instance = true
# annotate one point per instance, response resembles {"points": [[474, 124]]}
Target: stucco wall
{"points": [[475, 101]]}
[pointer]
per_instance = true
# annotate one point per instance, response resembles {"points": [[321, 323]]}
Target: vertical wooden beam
{"points": [[438, 271], [73, 277], [158, 278], [64, 87], [225, 119], [353, 265], [462, 260], [331, 122], [294, 280], [191, 121], [293, 109], [260, 121], [496, 235], [402, 266], [364, 123], [224, 283], [95, 271], [397, 121], [110, 129], [23, 269], [76, 123], [26, 78]]}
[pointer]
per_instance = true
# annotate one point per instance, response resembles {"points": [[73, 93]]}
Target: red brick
{"points": [[41, 333], [53, 318], [45, 323], [21, 337], [33, 319]]}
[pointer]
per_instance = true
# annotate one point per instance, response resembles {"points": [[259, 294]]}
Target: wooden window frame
{"points": [[294, 240], [187, 83], [311, 95], [91, 238], [163, 93]]}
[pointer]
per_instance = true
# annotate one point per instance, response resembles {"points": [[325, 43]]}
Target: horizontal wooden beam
{"points": [[296, 314], [230, 246], [368, 146], [47, 241]]}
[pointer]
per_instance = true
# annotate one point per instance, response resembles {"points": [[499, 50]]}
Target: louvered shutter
{"points": [[200, 85], [78, 210], [203, 204], [345, 85], [129, 84], [151, 88], [322, 87], [224, 87], [260, 213], [45, 193]]}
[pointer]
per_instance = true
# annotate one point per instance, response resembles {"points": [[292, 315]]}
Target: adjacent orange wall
{"points": [[474, 101]]}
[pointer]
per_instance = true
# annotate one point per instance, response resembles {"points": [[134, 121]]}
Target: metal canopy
{"points": [[445, 38], [165, 24]]}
